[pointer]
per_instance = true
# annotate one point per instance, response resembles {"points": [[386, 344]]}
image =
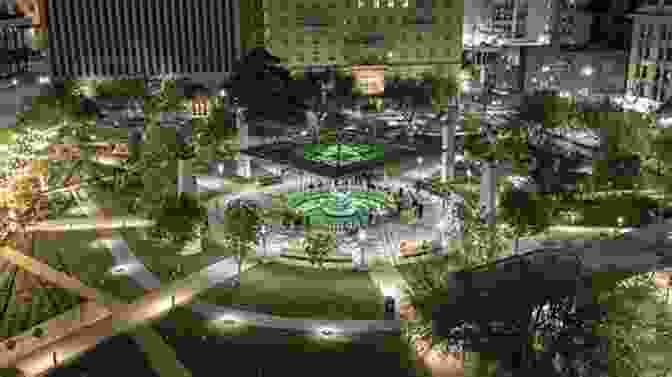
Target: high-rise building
{"points": [[409, 36], [650, 65], [131, 38]]}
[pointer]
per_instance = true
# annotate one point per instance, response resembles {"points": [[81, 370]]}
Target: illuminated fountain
{"points": [[336, 208]]}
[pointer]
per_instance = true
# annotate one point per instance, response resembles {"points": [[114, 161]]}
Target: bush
{"points": [[38, 332]]}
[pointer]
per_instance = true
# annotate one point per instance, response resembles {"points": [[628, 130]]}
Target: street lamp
{"points": [[362, 238], [620, 221], [263, 231], [419, 160], [468, 175], [440, 227]]}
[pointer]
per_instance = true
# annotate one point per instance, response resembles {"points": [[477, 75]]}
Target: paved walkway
{"points": [[637, 252]]}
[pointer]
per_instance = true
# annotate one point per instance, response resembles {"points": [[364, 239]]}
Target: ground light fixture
{"points": [[228, 319], [587, 71], [123, 269], [327, 331]]}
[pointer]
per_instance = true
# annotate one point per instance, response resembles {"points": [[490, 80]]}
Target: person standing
{"points": [[421, 209]]}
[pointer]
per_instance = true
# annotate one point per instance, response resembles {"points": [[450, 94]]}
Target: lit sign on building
{"points": [[370, 78]]}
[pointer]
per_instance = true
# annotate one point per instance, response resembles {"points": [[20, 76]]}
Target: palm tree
{"points": [[443, 91]]}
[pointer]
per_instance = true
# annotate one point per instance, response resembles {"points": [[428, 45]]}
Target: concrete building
{"points": [[589, 71], [650, 63], [15, 46], [409, 36], [129, 38]]}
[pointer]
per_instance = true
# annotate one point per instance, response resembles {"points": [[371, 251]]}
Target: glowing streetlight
{"points": [[362, 238], [620, 221], [587, 71]]}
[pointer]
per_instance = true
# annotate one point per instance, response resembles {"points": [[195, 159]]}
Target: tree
{"points": [[636, 322], [407, 96], [443, 89], [318, 245], [662, 153], [481, 242], [525, 212], [179, 220], [214, 131], [241, 224], [262, 87]]}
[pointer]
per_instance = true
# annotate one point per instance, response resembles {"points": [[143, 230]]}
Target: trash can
{"points": [[390, 310]]}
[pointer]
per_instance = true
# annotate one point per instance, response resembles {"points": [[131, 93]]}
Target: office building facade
{"points": [[587, 72], [650, 65], [408, 36], [131, 39]]}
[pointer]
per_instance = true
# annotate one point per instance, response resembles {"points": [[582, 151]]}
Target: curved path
{"points": [[139, 273]]}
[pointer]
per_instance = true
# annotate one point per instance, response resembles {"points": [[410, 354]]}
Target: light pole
{"points": [[440, 227], [419, 160], [362, 261], [264, 232]]}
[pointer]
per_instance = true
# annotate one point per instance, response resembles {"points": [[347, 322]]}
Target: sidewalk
{"points": [[222, 272]]}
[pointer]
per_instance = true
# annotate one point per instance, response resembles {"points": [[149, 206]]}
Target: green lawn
{"points": [[293, 291], [163, 258], [281, 347], [46, 302], [6, 136], [87, 260], [574, 233]]}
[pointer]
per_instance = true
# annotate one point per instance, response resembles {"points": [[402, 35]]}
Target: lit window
{"points": [[360, 3], [404, 4], [376, 3], [390, 3]]}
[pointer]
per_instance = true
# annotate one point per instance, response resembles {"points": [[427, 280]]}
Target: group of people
{"points": [[362, 180], [414, 202]]}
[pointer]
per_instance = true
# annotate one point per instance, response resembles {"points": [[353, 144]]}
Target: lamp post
{"points": [[419, 160], [440, 227], [362, 261], [263, 231]]}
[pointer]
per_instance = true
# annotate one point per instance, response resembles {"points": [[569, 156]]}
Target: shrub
{"points": [[38, 332]]}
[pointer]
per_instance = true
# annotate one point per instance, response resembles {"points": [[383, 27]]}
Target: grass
{"points": [[199, 344], [88, 260], [574, 233], [6, 136], [46, 303], [293, 291], [163, 258]]}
